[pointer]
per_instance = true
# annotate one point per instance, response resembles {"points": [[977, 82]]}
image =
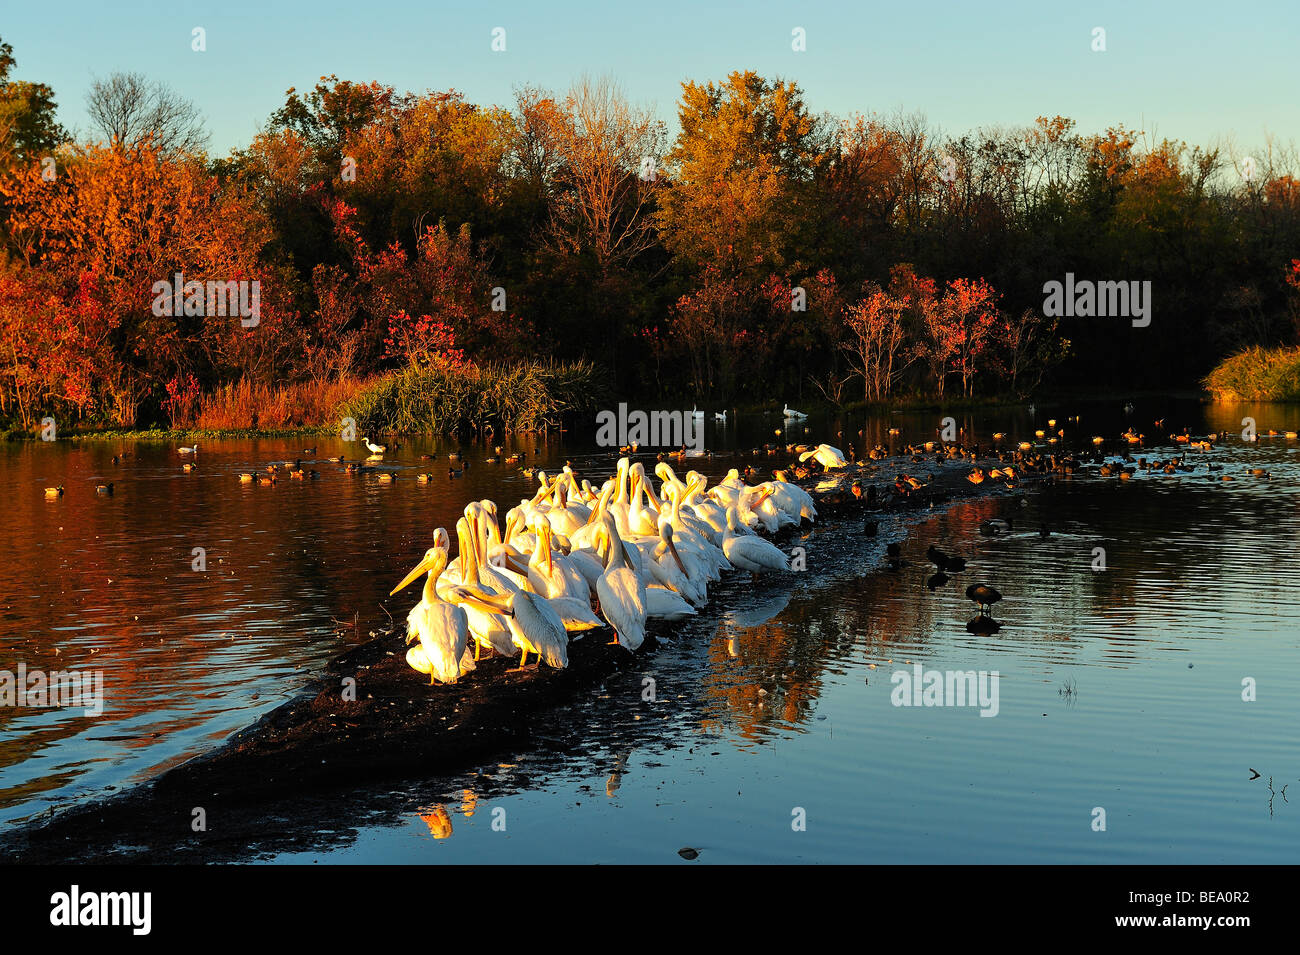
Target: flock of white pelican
{"points": [[624, 550]]}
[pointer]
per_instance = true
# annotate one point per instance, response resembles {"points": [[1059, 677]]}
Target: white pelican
{"points": [[553, 576], [535, 626], [622, 591], [487, 628], [759, 503], [642, 521], [750, 552], [662, 602], [792, 499], [374, 448], [497, 576], [192, 450], [441, 628], [713, 514], [794, 415], [618, 507], [694, 577], [827, 456]]}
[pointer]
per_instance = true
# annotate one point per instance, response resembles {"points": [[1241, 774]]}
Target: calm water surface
{"points": [[1118, 689]]}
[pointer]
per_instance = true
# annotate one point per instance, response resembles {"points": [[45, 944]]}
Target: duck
{"points": [[104, 488], [54, 491], [985, 596]]}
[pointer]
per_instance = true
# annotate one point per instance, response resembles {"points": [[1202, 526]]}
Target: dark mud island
{"points": [[369, 718]]}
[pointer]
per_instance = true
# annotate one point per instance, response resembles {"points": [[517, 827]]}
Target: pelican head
{"points": [[434, 560]]}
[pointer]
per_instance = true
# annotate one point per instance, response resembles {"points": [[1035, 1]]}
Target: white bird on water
{"points": [[827, 456], [192, 450], [794, 415], [374, 448]]}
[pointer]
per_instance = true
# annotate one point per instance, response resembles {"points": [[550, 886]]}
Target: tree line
{"points": [[760, 252]]}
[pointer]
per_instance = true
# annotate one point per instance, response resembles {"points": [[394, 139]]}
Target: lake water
{"points": [[772, 735]]}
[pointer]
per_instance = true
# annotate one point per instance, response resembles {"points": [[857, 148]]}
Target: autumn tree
{"points": [[116, 222], [28, 129], [740, 172]]}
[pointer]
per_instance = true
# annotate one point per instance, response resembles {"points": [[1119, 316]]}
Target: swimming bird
{"points": [[190, 450], [984, 595], [793, 415], [54, 491], [374, 448], [104, 488]]}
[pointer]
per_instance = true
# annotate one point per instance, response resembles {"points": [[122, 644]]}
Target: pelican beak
{"points": [[488, 603], [423, 567], [672, 549]]}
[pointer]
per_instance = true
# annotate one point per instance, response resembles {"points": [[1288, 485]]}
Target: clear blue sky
{"points": [[1192, 70]]}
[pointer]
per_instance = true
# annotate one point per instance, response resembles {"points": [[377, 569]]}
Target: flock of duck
{"points": [[627, 551]]}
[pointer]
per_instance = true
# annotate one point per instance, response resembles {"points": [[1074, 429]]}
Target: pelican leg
{"points": [[478, 648], [523, 658]]}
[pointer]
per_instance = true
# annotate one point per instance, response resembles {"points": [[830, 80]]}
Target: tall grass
{"points": [[304, 404], [523, 396], [1257, 374]]}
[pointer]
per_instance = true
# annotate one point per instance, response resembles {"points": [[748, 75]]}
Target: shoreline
{"points": [[909, 405]]}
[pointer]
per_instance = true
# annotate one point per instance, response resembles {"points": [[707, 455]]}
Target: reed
{"points": [[302, 404], [521, 396], [1257, 374]]}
